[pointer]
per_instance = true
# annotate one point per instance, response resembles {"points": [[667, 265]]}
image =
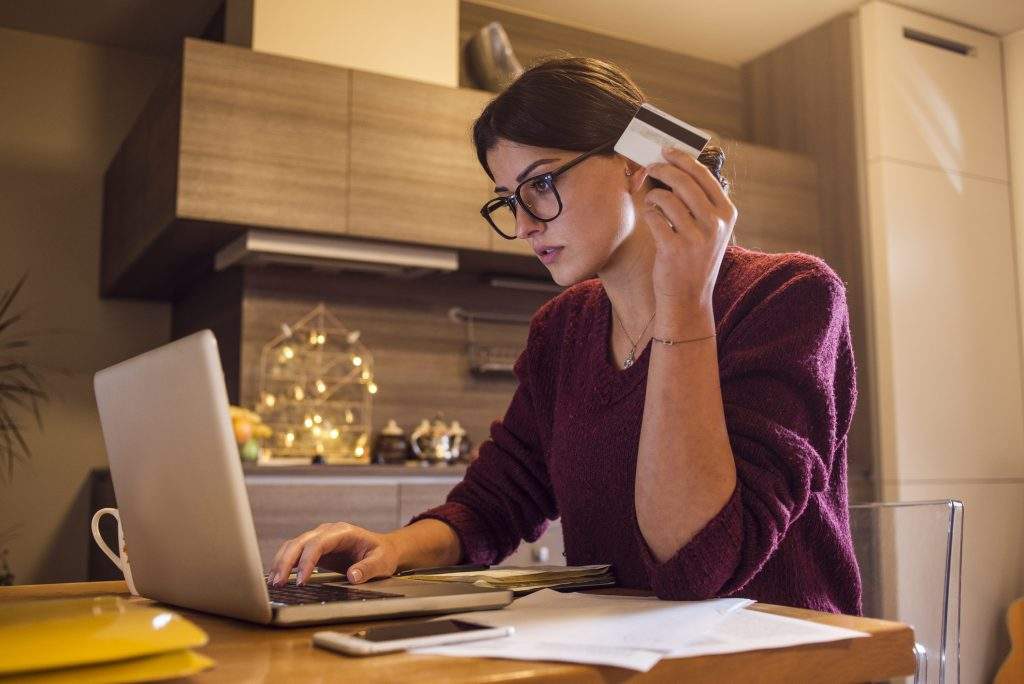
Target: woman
{"points": [[685, 413]]}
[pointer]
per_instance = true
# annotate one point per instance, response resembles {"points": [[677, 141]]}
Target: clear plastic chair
{"points": [[910, 562]]}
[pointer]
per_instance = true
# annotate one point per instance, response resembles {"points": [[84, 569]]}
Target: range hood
{"points": [[262, 247]]}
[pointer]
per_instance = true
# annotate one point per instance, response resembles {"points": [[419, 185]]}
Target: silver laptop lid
{"points": [[178, 479]]}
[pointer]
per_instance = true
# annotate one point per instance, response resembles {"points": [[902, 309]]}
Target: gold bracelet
{"points": [[671, 342]]}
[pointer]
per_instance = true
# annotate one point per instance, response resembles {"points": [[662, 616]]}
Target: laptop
{"points": [[185, 513]]}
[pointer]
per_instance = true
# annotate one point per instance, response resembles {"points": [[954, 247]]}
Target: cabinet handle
{"points": [[938, 41], [541, 554]]}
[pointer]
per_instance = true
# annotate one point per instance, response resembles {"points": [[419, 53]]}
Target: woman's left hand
{"points": [[691, 225]]}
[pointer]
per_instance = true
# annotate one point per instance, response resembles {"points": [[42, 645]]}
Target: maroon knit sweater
{"points": [[567, 445]]}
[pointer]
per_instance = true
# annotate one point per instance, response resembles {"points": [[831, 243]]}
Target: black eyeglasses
{"points": [[537, 195]]}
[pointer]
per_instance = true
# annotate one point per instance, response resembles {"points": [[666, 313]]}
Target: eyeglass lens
{"points": [[540, 198], [503, 219]]}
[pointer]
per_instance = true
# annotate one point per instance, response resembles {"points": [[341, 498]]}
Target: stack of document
{"points": [[632, 632], [104, 639], [524, 580]]}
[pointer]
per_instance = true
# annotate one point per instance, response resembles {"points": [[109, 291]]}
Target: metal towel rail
{"points": [[485, 359]]}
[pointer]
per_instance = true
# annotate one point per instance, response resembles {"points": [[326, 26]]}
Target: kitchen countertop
{"points": [[355, 471], [371, 470]]}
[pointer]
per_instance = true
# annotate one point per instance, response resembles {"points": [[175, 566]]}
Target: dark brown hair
{"points": [[568, 103]]}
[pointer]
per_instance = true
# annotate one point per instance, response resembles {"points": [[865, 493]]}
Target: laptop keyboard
{"points": [[294, 595]]}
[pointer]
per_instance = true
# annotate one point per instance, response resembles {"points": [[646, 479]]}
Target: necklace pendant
{"points": [[629, 360]]}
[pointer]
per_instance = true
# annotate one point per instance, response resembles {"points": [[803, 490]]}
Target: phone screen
{"points": [[417, 629]]}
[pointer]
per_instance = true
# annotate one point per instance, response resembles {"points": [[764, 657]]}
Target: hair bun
{"points": [[713, 158]]}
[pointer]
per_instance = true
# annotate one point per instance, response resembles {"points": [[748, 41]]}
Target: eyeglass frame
{"points": [[515, 198]]}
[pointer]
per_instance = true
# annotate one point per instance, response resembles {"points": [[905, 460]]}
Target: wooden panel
{"points": [[415, 176], [283, 510], [420, 358], [548, 550], [141, 183], [776, 194], [704, 93], [215, 302], [800, 97], [413, 499], [264, 139]]}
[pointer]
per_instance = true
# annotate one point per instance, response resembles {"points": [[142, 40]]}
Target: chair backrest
{"points": [[910, 560]]}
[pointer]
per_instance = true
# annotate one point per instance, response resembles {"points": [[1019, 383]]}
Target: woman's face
{"points": [[598, 207]]}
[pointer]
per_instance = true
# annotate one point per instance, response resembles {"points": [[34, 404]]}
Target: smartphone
{"points": [[390, 638]]}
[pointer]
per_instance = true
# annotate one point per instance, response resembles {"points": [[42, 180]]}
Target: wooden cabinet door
{"points": [[933, 92], [284, 509], [263, 140], [414, 174], [776, 193], [548, 550], [416, 498]]}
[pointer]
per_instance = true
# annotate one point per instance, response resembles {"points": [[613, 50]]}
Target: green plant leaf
{"points": [[11, 321], [21, 387], [8, 297]]}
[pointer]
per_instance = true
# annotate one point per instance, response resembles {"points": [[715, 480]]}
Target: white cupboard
{"points": [[942, 306], [933, 92]]}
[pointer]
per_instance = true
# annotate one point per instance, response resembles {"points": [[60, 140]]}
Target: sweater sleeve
{"points": [[789, 391], [506, 495]]}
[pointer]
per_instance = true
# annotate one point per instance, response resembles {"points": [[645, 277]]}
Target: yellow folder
{"points": [[70, 633], [145, 669]]}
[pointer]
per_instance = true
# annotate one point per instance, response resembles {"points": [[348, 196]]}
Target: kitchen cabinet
{"points": [[283, 508], [230, 139], [934, 92], [284, 505], [944, 261], [547, 550], [944, 326], [234, 139], [414, 175], [264, 141], [414, 498]]}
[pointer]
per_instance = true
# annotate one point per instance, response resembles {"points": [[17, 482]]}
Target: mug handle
{"points": [[98, 538], [118, 559]]}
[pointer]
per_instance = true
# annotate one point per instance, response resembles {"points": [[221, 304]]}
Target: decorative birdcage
{"points": [[316, 390]]}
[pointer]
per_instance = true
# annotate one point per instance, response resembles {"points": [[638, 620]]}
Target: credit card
{"points": [[651, 129]]}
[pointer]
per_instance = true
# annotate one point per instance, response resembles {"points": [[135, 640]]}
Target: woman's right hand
{"points": [[360, 554]]}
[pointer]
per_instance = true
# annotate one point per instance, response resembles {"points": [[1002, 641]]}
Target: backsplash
{"points": [[420, 360]]}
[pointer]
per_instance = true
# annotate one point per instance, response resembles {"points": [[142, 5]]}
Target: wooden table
{"points": [[251, 653]]}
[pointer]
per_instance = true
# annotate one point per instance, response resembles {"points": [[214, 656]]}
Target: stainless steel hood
{"points": [[328, 252]]}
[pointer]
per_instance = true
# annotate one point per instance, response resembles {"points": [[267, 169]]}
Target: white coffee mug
{"points": [[119, 559]]}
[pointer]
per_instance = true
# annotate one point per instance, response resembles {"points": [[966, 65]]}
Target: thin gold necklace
{"points": [[631, 357]]}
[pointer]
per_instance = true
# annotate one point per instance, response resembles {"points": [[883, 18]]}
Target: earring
{"points": [[629, 173]]}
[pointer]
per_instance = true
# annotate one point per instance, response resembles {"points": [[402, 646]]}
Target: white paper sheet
{"points": [[751, 630], [515, 648], [609, 630], [632, 632]]}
